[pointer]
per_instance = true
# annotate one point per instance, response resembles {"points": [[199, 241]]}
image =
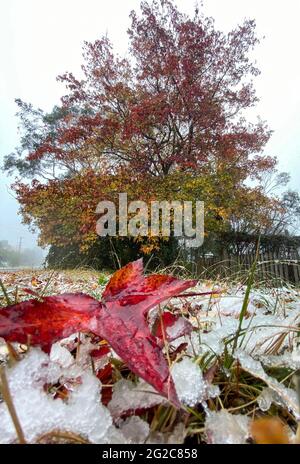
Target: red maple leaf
{"points": [[120, 318]]}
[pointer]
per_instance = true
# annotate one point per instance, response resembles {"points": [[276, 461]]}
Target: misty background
{"points": [[39, 40]]}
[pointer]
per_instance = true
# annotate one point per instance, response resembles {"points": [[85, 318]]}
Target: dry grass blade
{"points": [[8, 301], [61, 437], [10, 405]]}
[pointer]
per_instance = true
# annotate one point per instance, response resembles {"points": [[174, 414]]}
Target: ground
{"points": [[228, 373]]}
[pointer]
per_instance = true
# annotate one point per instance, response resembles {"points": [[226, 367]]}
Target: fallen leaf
{"points": [[35, 282], [269, 431], [120, 319], [45, 322]]}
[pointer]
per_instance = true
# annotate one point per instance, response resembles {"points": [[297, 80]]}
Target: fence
{"points": [[270, 266]]}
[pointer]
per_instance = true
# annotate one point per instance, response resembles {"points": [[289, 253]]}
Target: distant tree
{"points": [[9, 256], [268, 209]]}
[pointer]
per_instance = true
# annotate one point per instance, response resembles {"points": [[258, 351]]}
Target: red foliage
{"points": [[105, 377], [45, 322], [120, 319], [175, 108]]}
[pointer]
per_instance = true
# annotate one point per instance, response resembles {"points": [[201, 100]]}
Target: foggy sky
{"points": [[41, 39]]}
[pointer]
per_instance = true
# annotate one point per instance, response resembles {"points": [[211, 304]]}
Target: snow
{"points": [[61, 355], [188, 381], [190, 385], [290, 359], [287, 395], [130, 397], [176, 329], [213, 340], [271, 314], [225, 428], [39, 413], [135, 430], [230, 305], [272, 321]]}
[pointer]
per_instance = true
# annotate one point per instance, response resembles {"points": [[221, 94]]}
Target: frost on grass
{"points": [[262, 327], [212, 337], [286, 395], [39, 413], [190, 385], [225, 428]]}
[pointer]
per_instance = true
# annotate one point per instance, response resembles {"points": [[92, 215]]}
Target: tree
{"points": [[172, 115], [265, 211], [9, 256]]}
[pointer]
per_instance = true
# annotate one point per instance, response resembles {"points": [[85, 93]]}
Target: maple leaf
{"points": [[45, 322], [120, 318]]}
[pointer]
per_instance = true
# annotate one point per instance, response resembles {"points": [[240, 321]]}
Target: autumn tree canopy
{"points": [[166, 122]]}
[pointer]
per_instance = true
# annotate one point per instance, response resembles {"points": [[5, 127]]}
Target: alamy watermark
{"points": [[163, 219]]}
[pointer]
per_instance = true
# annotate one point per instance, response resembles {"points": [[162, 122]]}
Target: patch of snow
{"points": [[176, 329], [288, 359], [225, 428], [287, 395], [231, 305], [188, 380], [61, 355], [135, 430], [39, 413], [129, 397], [212, 341], [189, 383]]}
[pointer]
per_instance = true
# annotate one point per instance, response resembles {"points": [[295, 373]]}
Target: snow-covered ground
{"points": [[268, 338]]}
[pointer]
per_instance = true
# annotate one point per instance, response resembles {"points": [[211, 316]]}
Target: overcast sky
{"points": [[41, 39]]}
